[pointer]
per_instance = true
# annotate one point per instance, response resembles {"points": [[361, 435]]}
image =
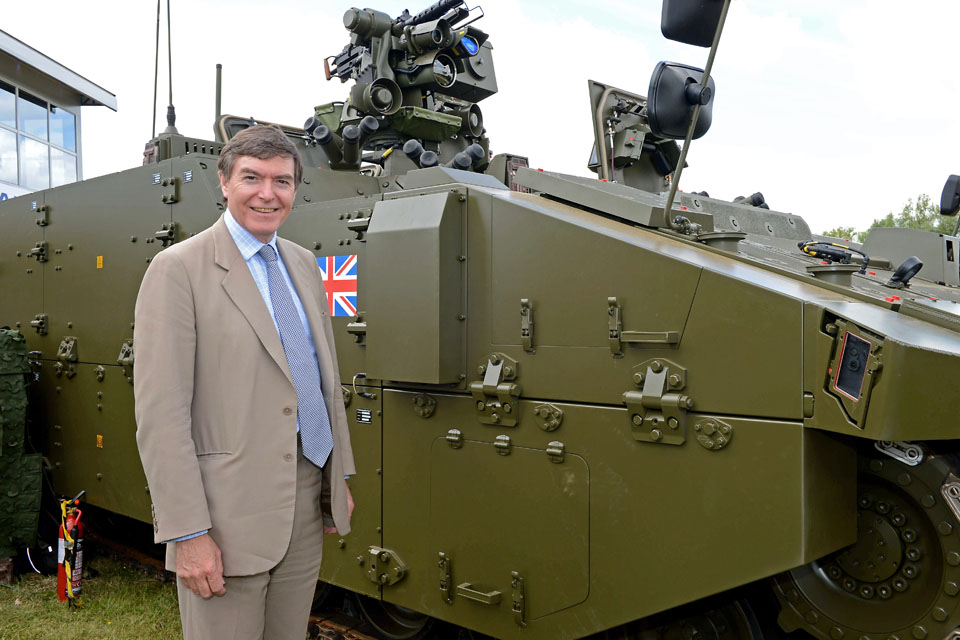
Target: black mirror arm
{"points": [[668, 207]]}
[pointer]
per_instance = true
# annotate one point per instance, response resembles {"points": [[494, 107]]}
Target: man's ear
{"points": [[223, 184]]}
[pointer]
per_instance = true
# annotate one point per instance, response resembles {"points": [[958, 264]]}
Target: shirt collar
{"points": [[246, 242]]}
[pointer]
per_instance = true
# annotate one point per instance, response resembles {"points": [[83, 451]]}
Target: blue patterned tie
{"points": [[315, 433]]}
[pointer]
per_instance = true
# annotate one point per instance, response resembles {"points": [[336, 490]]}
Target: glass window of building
{"points": [[38, 141], [8, 156], [63, 128], [63, 167], [32, 112], [34, 164], [8, 105]]}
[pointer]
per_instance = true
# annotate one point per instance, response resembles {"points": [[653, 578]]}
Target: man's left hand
{"points": [[350, 505]]}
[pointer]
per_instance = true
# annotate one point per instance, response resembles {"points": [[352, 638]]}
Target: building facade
{"points": [[40, 119]]}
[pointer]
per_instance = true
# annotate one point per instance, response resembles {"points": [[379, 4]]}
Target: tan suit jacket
{"points": [[216, 406]]}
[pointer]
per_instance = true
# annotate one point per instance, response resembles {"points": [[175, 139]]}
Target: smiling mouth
{"points": [[262, 210]]}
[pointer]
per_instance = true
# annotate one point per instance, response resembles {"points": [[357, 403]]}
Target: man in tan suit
{"points": [[240, 416]]}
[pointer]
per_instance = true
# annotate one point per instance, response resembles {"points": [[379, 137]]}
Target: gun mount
{"points": [[420, 78]]}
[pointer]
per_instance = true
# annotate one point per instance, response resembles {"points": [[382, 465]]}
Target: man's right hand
{"points": [[200, 567]]}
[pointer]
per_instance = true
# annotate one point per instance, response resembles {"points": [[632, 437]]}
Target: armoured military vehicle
{"points": [[576, 404]]}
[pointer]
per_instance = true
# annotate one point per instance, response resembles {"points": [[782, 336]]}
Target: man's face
{"points": [[260, 193]]}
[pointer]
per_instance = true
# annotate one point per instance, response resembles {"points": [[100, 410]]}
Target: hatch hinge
{"points": [[40, 251], [44, 219], [496, 397], [384, 567], [658, 412], [360, 223], [125, 359], [358, 328], [446, 578], [454, 438], [526, 325], [168, 234], [519, 606], [617, 336], [67, 357], [556, 451], [171, 191], [39, 323]]}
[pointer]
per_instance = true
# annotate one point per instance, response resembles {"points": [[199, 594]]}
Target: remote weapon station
{"points": [[576, 404]]}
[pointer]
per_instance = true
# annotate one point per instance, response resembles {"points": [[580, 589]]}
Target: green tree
{"points": [[844, 233], [921, 214]]}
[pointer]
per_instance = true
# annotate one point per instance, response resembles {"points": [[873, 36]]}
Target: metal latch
{"points": [[526, 325], [548, 416], [168, 233], [615, 326], [519, 606], [950, 490], [358, 328], [467, 591], [617, 336], [658, 413], [67, 356], [446, 579], [384, 566], [906, 452], [424, 405], [39, 251], [39, 323], [496, 397]]}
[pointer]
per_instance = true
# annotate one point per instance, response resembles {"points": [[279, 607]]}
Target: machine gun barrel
{"points": [[434, 11]]}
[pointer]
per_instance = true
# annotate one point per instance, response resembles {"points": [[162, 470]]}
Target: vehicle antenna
{"points": [[675, 183], [219, 83], [171, 112], [156, 68]]}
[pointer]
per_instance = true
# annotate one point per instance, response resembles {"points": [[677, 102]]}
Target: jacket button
{"points": [[287, 411], [288, 457]]}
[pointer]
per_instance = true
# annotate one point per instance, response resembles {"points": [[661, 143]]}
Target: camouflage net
{"points": [[20, 473]]}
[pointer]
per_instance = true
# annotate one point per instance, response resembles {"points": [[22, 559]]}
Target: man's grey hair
{"points": [[263, 142]]}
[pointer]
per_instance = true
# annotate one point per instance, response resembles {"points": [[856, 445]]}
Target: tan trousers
{"points": [[267, 606]]}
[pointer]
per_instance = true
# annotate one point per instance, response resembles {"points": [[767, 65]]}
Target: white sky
{"points": [[836, 110]]}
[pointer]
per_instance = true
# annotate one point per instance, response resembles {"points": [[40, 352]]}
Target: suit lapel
{"points": [[240, 287]]}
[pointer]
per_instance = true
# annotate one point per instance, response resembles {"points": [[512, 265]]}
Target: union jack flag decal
{"points": [[340, 280]]}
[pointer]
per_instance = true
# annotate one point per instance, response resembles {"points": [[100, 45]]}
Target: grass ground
{"points": [[119, 603]]}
